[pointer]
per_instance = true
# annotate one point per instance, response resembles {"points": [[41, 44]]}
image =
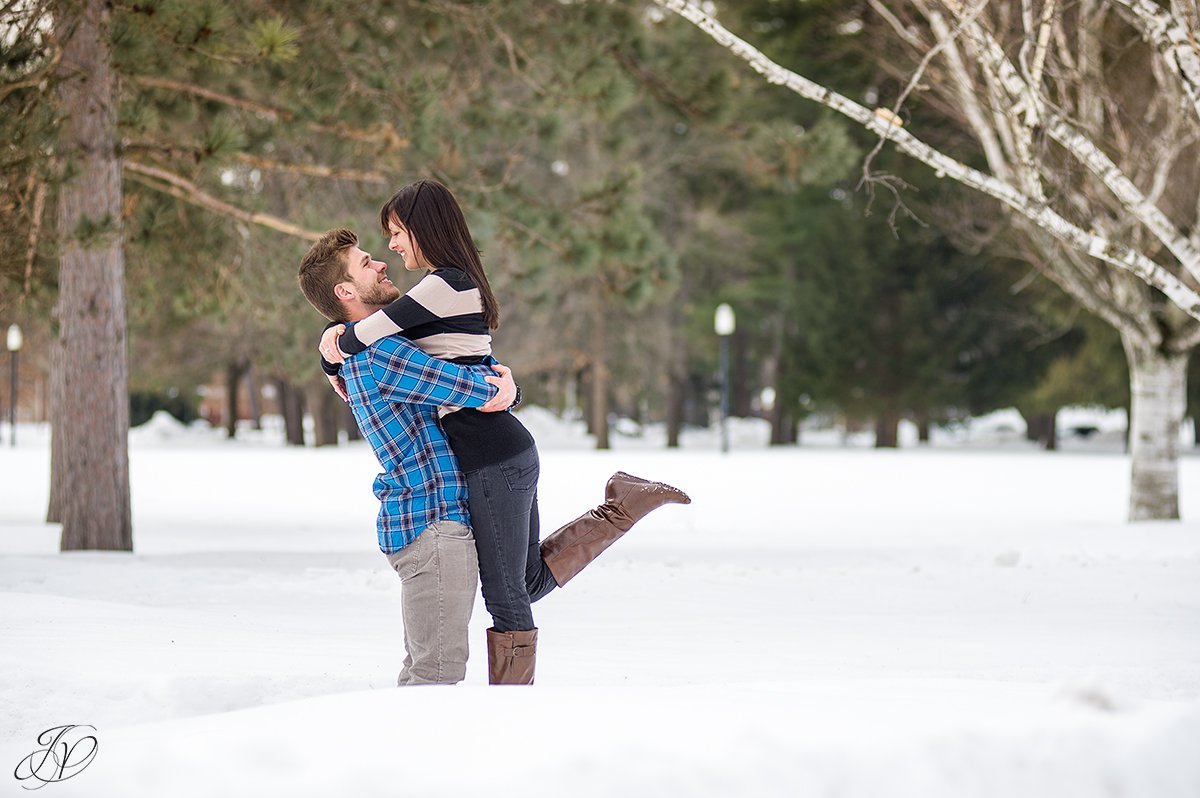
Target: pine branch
{"points": [[312, 169], [274, 114], [377, 134], [183, 189], [883, 123], [35, 232]]}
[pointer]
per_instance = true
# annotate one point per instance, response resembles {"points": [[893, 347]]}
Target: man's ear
{"points": [[343, 291]]}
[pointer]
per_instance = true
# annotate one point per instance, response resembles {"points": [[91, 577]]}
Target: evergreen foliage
{"points": [[618, 185]]}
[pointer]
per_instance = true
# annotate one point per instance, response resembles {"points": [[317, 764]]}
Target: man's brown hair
{"points": [[323, 267]]}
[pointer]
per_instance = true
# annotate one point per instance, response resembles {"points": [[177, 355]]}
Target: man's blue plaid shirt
{"points": [[395, 390]]}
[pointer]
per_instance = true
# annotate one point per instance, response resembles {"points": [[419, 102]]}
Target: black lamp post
{"points": [[14, 346], [724, 324]]}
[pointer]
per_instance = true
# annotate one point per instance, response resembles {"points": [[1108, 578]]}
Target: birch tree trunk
{"points": [[1158, 392], [91, 421]]}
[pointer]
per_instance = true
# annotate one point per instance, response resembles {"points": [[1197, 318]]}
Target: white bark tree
{"points": [[1088, 117]]}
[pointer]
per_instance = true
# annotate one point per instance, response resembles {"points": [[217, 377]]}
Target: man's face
{"points": [[369, 278]]}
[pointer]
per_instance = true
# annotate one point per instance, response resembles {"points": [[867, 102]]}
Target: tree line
{"points": [[167, 162]]}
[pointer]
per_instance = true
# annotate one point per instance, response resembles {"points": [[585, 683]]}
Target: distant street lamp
{"points": [[724, 324], [14, 346]]}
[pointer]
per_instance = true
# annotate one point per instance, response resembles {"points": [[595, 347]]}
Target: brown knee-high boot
{"points": [[511, 656], [627, 499]]}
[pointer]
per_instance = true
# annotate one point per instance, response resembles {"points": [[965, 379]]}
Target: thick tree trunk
{"points": [[92, 417], [233, 382], [887, 430], [291, 406], [784, 429], [252, 392], [1157, 391], [923, 428], [1050, 431], [740, 393], [1042, 428], [599, 403], [323, 404], [1196, 430], [1033, 426], [584, 390], [674, 409]]}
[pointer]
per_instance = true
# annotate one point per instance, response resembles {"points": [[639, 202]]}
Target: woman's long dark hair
{"points": [[432, 217]]}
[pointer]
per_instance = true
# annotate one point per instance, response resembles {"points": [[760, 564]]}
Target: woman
{"points": [[449, 314]]}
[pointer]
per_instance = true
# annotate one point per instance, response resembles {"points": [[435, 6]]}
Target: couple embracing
{"points": [[458, 490]]}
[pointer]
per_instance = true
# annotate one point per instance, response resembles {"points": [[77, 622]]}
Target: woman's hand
{"points": [[339, 385], [329, 345]]}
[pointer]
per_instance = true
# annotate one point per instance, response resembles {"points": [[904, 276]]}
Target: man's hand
{"points": [[508, 390], [329, 347], [339, 385]]}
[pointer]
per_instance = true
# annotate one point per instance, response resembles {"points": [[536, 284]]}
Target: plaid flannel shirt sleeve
{"points": [[406, 375]]}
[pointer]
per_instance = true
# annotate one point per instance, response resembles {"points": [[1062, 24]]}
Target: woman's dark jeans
{"points": [[504, 517]]}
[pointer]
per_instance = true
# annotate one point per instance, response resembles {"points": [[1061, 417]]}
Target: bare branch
{"points": [[886, 126], [901, 29], [975, 118], [913, 82], [1085, 151], [34, 78], [1039, 55], [1173, 41]]}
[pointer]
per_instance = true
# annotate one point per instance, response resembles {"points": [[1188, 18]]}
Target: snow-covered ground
{"points": [[971, 619]]}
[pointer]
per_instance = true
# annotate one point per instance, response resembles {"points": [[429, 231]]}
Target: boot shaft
{"points": [[512, 656]]}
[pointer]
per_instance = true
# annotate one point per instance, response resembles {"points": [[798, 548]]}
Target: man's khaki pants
{"points": [[439, 574]]}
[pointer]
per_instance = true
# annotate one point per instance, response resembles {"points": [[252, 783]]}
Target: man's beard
{"points": [[378, 294]]}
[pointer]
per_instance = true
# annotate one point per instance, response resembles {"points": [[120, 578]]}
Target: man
{"points": [[395, 390]]}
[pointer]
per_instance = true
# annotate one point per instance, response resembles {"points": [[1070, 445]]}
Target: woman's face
{"points": [[401, 242]]}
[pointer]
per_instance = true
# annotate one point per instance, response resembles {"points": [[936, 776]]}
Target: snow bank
{"points": [[949, 622]]}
